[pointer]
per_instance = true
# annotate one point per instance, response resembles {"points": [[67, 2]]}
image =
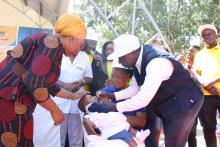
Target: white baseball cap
{"points": [[116, 64], [207, 26], [123, 45]]}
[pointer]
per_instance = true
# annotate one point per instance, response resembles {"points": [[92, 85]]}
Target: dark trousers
{"points": [[151, 140], [177, 125], [208, 121], [192, 142]]}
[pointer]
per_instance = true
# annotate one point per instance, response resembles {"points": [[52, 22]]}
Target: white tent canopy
{"points": [[33, 13], [27, 14], [44, 13]]}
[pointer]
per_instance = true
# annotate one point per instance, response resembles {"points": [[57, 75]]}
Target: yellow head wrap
{"points": [[71, 25]]}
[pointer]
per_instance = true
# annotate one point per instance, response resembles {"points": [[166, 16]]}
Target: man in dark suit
{"points": [[162, 84]]}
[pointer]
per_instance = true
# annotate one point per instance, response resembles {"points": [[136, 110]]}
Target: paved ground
{"points": [[200, 138]]}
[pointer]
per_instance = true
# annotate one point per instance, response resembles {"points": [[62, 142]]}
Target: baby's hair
{"points": [[126, 71], [130, 72]]}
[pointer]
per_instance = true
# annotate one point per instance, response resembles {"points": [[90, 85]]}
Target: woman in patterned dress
{"points": [[28, 76]]}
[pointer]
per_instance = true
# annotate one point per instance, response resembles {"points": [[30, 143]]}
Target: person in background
{"points": [[75, 73], [190, 55], [98, 66], [176, 102], [181, 58], [108, 49], [28, 76], [207, 71]]}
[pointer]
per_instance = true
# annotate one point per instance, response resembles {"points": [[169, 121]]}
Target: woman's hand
{"points": [[78, 95], [58, 116], [67, 86], [76, 86], [55, 112], [73, 87]]}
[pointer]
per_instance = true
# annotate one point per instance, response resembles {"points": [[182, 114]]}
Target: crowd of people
{"points": [[57, 90]]}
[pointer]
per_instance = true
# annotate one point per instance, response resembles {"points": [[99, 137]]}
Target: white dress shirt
{"points": [[157, 71]]}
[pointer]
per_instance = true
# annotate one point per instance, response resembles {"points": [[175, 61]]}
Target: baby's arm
{"points": [[90, 127]]}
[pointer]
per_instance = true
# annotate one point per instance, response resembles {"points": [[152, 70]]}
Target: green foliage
{"points": [[177, 20]]}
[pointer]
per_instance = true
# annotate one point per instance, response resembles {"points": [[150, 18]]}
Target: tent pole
{"points": [[154, 24], [103, 16], [134, 16]]}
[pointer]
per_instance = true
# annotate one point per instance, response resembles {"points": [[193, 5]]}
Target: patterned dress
{"points": [[27, 76]]}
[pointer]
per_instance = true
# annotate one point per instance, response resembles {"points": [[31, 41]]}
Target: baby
{"points": [[111, 125]]}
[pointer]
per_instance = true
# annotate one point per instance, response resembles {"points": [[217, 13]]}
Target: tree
{"points": [[177, 19]]}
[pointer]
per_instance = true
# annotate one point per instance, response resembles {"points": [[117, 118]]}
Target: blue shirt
{"points": [[112, 89]]}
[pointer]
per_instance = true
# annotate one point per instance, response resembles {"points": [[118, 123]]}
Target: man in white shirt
{"points": [[159, 82], [75, 72]]}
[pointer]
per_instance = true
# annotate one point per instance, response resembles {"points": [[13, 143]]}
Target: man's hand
{"points": [[103, 107], [210, 88], [105, 95], [214, 91], [218, 93], [58, 116]]}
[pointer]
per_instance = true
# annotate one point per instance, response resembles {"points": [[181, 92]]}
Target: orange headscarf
{"points": [[71, 25]]}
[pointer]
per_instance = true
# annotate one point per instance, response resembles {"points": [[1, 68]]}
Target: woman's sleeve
{"points": [[44, 68]]}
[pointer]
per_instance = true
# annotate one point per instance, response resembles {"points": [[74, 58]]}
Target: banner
{"points": [[8, 35], [24, 32]]}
